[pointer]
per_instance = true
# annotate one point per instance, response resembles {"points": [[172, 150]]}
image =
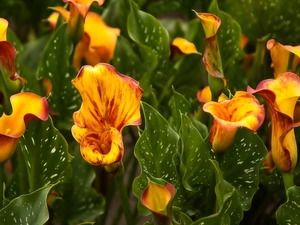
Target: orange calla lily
{"points": [[281, 95], [111, 101], [243, 110], [281, 57], [11, 83], [157, 199], [98, 42], [26, 106]]}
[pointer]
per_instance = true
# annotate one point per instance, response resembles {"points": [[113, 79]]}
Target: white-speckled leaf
{"points": [[289, 212], [228, 207], [29, 209], [246, 154], [45, 152], [155, 150], [195, 168], [78, 192], [55, 65]]}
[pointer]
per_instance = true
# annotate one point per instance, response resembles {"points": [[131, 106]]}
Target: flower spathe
{"points": [[110, 101], [243, 110], [82, 6], [157, 199], [184, 46], [26, 106], [281, 95], [3, 29]]}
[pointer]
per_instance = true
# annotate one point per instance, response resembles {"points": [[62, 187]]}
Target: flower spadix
{"points": [[110, 101], [25, 107], [243, 110], [281, 95]]}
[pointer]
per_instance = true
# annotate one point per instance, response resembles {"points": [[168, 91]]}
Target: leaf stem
{"points": [[288, 180], [120, 184], [2, 173]]}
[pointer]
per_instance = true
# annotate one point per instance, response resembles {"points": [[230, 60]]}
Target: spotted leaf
{"points": [[247, 154], [86, 203], [45, 153], [288, 213], [55, 66], [155, 150], [27, 209]]}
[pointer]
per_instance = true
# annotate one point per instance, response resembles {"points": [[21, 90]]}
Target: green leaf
{"points": [[246, 154], [288, 213], [146, 30], [78, 200], [27, 209], [155, 150], [45, 152], [196, 169], [178, 105], [229, 211], [55, 66]]}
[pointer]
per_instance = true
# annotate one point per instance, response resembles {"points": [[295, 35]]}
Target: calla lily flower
{"points": [[26, 106], [11, 83], [184, 46], [205, 95], [281, 95], [280, 55], [98, 42], [243, 110], [157, 199], [111, 101], [82, 6]]}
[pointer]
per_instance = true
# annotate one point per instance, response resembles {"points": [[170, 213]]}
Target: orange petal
{"points": [[26, 106], [156, 197], [243, 110], [184, 45], [3, 29], [102, 148], [83, 5]]}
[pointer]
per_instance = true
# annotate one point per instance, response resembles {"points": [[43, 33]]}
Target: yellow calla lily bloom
{"points": [[26, 106], [110, 101], [184, 46], [3, 29], [157, 199], [281, 95], [205, 95], [243, 110], [281, 57]]}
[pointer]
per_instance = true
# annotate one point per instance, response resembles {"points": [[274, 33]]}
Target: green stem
{"points": [[120, 184], [2, 172], [288, 180]]}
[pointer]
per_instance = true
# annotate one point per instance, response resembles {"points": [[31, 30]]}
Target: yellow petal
{"points": [[26, 106], [3, 29], [243, 110], [83, 5], [102, 148], [52, 19], [110, 99], [156, 197], [184, 45]]}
